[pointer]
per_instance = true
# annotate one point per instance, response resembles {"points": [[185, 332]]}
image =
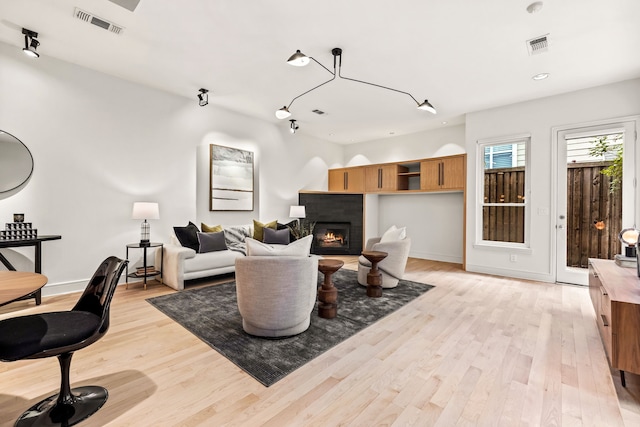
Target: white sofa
{"points": [[181, 263]]}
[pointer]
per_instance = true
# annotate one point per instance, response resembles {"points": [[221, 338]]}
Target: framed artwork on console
{"points": [[230, 179]]}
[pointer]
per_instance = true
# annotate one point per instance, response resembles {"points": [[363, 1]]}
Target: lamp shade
{"points": [[298, 59], [297, 212], [283, 113], [426, 106], [629, 236], [145, 210]]}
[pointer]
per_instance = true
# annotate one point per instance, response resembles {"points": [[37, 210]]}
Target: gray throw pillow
{"points": [[276, 237], [211, 242]]}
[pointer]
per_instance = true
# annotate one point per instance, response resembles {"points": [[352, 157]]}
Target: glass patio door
{"points": [[595, 195]]}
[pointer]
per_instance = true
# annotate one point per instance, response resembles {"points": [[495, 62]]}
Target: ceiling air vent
{"points": [[99, 22], [538, 45], [319, 112]]}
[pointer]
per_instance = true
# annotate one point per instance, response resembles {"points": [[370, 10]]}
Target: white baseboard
{"points": [[436, 257], [517, 274], [61, 288]]}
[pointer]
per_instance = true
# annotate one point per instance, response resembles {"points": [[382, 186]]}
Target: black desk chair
{"points": [[60, 334]]}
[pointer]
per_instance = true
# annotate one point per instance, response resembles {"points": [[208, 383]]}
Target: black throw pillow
{"points": [[188, 236], [286, 226]]}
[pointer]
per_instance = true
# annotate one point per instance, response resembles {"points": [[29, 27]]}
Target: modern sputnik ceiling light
{"points": [[299, 59], [30, 43], [203, 97]]}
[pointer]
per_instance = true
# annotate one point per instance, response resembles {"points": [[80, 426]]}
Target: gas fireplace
{"points": [[331, 238]]}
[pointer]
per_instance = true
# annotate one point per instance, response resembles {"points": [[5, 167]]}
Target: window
{"points": [[503, 190]]}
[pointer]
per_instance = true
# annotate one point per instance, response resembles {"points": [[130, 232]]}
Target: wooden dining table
{"points": [[15, 285]]}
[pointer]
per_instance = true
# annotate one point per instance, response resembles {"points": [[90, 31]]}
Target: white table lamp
{"points": [[297, 212], [145, 211]]}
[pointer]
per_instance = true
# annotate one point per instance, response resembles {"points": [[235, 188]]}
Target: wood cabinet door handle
{"points": [[379, 178], [345, 180], [604, 320]]}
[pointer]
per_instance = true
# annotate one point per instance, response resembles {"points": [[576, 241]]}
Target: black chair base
{"points": [[87, 401]]}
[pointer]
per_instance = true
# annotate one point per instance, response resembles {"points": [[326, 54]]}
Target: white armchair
{"points": [[392, 267], [276, 294]]}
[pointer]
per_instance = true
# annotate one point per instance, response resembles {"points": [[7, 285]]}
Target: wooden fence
{"points": [[589, 203], [504, 223]]}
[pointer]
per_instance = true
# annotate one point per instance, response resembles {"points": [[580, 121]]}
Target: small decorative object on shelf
{"points": [[629, 238], [18, 230]]}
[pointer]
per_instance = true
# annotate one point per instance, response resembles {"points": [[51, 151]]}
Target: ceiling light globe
{"points": [[283, 113], [298, 59]]}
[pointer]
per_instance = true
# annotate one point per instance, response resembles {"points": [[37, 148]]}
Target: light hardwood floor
{"points": [[475, 350]]}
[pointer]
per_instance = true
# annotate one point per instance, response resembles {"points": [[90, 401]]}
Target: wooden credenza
{"points": [[615, 294]]}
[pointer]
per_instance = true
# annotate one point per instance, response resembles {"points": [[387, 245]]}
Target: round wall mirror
{"points": [[16, 162]]}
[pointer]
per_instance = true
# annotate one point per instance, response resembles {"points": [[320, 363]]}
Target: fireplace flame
{"points": [[332, 237]]}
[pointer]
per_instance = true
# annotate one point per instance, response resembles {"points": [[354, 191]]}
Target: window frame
{"points": [[480, 203]]}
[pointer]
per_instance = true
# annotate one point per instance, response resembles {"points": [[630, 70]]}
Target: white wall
{"points": [[434, 221], [101, 143], [537, 118]]}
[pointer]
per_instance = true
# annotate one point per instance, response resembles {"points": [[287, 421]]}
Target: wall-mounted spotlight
{"points": [[294, 126], [203, 97], [30, 43]]}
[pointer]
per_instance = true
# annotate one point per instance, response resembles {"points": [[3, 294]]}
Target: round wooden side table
{"points": [[374, 277], [328, 294]]}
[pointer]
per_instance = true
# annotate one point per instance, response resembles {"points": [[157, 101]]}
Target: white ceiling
{"points": [[461, 55]]}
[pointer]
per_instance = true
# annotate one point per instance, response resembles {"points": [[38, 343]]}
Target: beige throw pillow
{"points": [[301, 247], [394, 234]]}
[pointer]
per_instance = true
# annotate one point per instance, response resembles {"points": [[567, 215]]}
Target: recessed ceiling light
{"points": [[534, 7], [444, 122], [540, 76]]}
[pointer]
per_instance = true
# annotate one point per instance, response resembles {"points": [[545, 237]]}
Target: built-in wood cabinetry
{"points": [[347, 179], [435, 174], [446, 173], [384, 178], [615, 295]]}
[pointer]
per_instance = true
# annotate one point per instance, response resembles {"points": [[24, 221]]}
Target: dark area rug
{"points": [[211, 313]]}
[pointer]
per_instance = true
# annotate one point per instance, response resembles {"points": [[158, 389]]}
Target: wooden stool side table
{"points": [[328, 294], [374, 277]]}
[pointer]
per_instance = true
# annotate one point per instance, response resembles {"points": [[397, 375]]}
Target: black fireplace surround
{"points": [[335, 212]]}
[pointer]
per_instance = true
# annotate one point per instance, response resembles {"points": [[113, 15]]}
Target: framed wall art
{"points": [[230, 179]]}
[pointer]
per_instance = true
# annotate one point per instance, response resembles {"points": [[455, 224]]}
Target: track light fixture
{"points": [[203, 97], [294, 126], [30, 43], [299, 59]]}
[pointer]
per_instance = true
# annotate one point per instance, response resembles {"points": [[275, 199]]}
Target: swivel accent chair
{"points": [[392, 267], [60, 334]]}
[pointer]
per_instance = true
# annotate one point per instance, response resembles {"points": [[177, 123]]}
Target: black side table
{"points": [[148, 271]]}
